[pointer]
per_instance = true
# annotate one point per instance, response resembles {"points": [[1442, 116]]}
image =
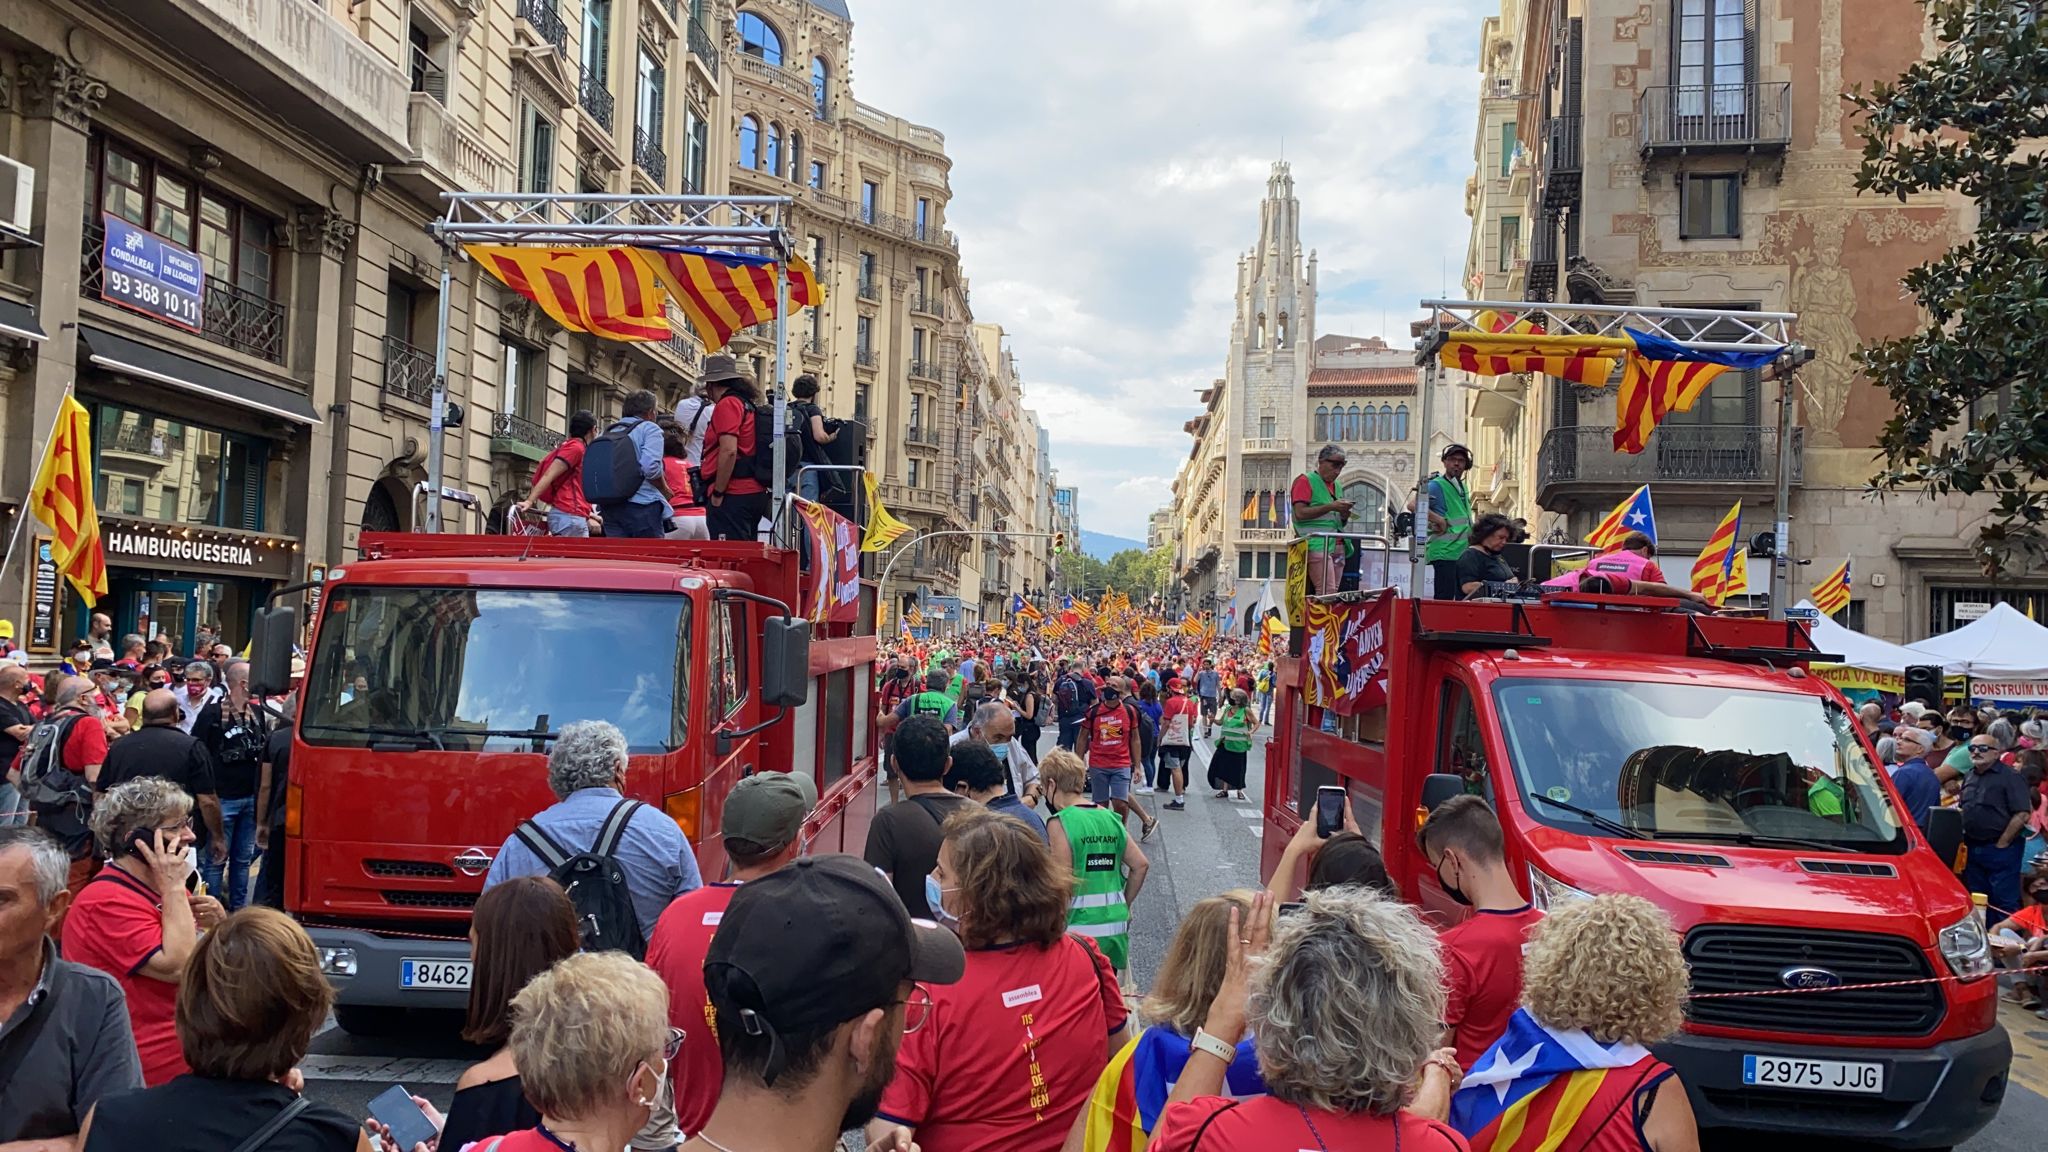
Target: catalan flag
{"points": [[1831, 595], [62, 500], [1132, 1091], [1634, 514], [882, 529], [606, 292], [1738, 574], [1053, 628], [914, 618], [1019, 606], [1710, 571], [722, 292], [1586, 360], [1663, 377], [1494, 321], [1080, 609], [995, 628], [1535, 1084]]}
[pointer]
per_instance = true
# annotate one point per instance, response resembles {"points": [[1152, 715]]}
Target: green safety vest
{"points": [[953, 689], [1096, 838], [1457, 514], [935, 704], [1319, 493], [1237, 730]]}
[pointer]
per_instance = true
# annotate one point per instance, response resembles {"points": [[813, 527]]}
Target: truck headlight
{"points": [[338, 961], [1966, 948], [1547, 891]]}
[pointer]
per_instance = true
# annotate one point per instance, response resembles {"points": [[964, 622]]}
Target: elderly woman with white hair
{"points": [[588, 773], [1345, 1009]]}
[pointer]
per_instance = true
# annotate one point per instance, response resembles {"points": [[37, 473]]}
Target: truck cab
{"points": [[442, 666], [1840, 974]]}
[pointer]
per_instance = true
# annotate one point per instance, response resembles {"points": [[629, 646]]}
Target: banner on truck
{"points": [[1345, 657]]}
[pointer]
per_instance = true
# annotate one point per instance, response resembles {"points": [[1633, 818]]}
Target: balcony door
{"points": [[1719, 438], [1710, 70]]}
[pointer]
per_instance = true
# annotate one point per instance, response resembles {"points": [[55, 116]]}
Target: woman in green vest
{"points": [[1450, 519], [1318, 507], [1108, 866], [1226, 764]]}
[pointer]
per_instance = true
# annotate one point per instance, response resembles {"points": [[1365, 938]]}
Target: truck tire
{"points": [[368, 1020]]}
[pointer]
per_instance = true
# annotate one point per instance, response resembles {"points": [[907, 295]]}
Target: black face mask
{"points": [[1455, 893]]}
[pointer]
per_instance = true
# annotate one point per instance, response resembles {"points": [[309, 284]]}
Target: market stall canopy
{"points": [[1868, 652], [2002, 644]]}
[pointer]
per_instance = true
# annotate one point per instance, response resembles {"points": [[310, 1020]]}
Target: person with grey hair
{"points": [[199, 692], [587, 770], [80, 1050], [1918, 782], [60, 798], [995, 725], [1345, 1009]]}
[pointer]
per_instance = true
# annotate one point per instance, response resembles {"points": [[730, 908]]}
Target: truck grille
{"points": [[416, 869], [1741, 958], [430, 899]]}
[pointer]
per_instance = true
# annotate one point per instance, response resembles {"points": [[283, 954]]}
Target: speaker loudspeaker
{"points": [[1923, 683]]}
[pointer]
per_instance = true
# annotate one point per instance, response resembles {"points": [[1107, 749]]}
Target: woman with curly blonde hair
{"points": [[1603, 978]]}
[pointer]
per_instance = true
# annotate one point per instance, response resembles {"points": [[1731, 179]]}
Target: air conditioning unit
{"points": [[17, 194]]}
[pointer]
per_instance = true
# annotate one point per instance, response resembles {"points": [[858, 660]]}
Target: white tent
{"points": [[1867, 652], [2002, 644]]}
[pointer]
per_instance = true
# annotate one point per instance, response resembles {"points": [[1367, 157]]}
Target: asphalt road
{"points": [[1211, 847]]}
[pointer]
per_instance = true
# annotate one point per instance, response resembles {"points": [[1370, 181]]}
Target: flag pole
{"points": [[1781, 562], [22, 516]]}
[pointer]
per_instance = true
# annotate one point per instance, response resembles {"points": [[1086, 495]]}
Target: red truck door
{"points": [[1459, 749]]}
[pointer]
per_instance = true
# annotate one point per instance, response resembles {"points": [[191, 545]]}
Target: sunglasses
{"points": [[1984, 748]]}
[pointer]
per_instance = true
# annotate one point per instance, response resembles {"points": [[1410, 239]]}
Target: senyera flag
{"points": [[62, 500], [720, 293], [1831, 595], [1711, 572], [603, 291]]}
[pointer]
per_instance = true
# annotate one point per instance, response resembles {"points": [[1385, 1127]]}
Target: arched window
{"points": [[1401, 422], [1361, 425], [1259, 333], [759, 39], [820, 73], [1322, 422], [796, 156], [1280, 333], [750, 142], [771, 154], [1386, 421]]}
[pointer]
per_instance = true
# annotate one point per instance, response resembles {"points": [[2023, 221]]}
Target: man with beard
{"points": [[813, 977]]}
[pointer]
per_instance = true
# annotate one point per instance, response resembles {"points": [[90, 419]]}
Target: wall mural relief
{"points": [[1825, 299]]}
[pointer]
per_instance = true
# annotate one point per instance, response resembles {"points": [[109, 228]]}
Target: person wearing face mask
{"points": [[995, 725], [1107, 866], [1483, 955]]}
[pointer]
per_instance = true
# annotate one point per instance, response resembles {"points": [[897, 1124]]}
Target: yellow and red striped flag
{"points": [[1710, 571], [1831, 595], [720, 293], [1738, 574], [62, 500], [881, 529], [603, 291], [1589, 360], [1652, 390]]}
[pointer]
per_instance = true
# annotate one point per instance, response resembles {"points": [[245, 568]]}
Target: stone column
{"points": [[323, 329]]}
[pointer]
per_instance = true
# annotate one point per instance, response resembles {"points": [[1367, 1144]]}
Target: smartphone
{"points": [[1291, 907], [1329, 810], [409, 1126]]}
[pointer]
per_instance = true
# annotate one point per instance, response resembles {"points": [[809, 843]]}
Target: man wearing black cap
{"points": [[814, 978], [762, 827]]}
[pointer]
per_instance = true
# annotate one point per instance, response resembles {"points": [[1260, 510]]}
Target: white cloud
{"points": [[1108, 160]]}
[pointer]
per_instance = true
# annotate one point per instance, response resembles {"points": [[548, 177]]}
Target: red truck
{"points": [[1631, 747], [442, 665]]}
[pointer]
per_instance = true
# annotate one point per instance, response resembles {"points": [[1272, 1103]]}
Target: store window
{"points": [[165, 469]]}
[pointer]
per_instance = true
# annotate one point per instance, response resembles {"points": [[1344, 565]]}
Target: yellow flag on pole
{"points": [[882, 529], [62, 499]]}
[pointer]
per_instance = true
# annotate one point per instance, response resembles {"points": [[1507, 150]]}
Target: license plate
{"points": [[1813, 1075], [433, 974]]}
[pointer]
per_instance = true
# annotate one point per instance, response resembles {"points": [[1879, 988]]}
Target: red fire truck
{"points": [[442, 666], [1692, 760]]}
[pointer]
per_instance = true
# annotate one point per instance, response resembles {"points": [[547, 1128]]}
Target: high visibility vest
{"points": [[1237, 729], [1096, 836], [933, 704], [1319, 493], [1451, 543]]}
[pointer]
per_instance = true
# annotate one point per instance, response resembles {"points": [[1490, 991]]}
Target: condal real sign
{"points": [[144, 544]]}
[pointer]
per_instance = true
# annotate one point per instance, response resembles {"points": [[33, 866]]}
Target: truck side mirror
{"points": [[270, 650], [785, 661], [1945, 832], [1438, 787]]}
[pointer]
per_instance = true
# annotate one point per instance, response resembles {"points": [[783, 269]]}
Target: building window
{"points": [[1386, 421], [1268, 428], [234, 240], [188, 474], [536, 149], [597, 37], [698, 149], [750, 142], [1712, 70], [427, 58], [869, 193], [653, 87], [1322, 423], [1265, 566], [916, 410], [1710, 206], [759, 39], [818, 256], [917, 346], [818, 174], [863, 336], [524, 380], [1401, 422], [867, 271], [1244, 565], [1507, 147], [1510, 241], [1280, 332], [771, 156], [860, 403], [910, 474], [1361, 424], [924, 217], [820, 73], [796, 156]]}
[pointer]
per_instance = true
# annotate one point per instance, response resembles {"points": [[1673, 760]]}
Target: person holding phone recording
{"points": [[135, 921]]}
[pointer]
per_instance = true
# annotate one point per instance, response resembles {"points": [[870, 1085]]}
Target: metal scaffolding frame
{"points": [[1699, 329], [754, 224]]}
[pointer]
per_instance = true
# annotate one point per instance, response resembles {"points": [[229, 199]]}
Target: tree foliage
{"points": [[1972, 408], [1134, 572]]}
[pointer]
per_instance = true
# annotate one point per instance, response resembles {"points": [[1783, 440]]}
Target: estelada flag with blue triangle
{"points": [[1533, 1087], [1831, 595], [1019, 606], [1631, 515]]}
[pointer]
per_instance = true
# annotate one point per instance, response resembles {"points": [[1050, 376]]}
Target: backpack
{"points": [[1067, 696], [595, 882], [794, 436], [611, 465], [58, 797]]}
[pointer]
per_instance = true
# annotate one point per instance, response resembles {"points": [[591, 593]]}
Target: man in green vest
{"points": [[1319, 506], [932, 702], [1450, 519]]}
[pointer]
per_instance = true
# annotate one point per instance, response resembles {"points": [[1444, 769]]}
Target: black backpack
{"points": [[793, 436], [595, 882], [611, 466], [1066, 697], [59, 798]]}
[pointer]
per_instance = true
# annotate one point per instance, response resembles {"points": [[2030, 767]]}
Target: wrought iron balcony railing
{"points": [[596, 100], [1678, 118], [648, 155], [1677, 454], [408, 371], [546, 19]]}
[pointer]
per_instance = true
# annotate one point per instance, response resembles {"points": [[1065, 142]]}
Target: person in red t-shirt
{"points": [[134, 920], [74, 700], [762, 826], [682, 497], [737, 500], [1011, 1052], [1482, 955], [1109, 740], [559, 481]]}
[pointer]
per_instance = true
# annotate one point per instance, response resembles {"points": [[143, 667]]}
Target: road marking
{"points": [[1250, 813], [1256, 830], [391, 1069]]}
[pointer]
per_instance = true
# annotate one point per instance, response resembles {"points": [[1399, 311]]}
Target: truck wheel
{"points": [[368, 1020]]}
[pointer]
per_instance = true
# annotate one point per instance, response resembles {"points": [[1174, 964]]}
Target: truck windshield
{"points": [[486, 670], [1693, 762]]}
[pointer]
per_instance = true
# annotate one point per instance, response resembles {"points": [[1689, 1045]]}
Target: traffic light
{"points": [[1059, 541]]}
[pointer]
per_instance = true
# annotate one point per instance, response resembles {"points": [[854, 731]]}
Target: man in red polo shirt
{"points": [[1482, 955], [762, 825], [737, 501], [1109, 742]]}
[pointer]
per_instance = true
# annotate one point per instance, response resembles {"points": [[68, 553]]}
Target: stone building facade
{"points": [[1696, 153]]}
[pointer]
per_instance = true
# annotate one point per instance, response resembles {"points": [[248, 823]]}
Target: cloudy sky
{"points": [[1108, 160]]}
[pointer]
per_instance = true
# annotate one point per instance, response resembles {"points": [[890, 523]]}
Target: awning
{"points": [[1496, 406], [134, 358], [18, 321]]}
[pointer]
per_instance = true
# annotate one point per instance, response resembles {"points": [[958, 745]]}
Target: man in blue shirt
{"points": [[586, 771], [1918, 786], [642, 516]]}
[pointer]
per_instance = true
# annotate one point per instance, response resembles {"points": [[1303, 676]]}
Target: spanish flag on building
{"points": [[62, 499]]}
